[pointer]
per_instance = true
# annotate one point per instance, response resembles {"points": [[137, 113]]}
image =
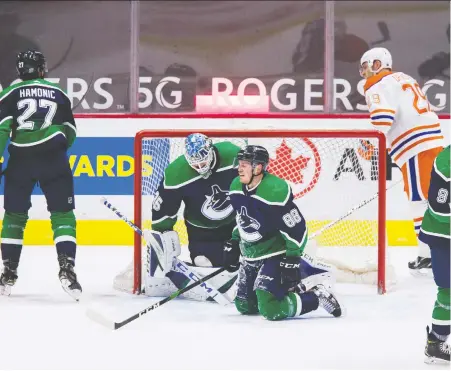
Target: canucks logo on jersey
{"points": [[247, 226], [217, 205]]}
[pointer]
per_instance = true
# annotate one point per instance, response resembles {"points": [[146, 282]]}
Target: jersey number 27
{"points": [[31, 107]]}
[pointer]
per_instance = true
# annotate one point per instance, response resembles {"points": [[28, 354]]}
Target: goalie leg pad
{"points": [[166, 246], [163, 286], [315, 272]]}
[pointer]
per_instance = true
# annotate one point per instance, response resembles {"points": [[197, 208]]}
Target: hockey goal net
{"points": [[337, 178]]}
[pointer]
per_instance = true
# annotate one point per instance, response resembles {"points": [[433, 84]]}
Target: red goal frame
{"points": [[252, 133]]}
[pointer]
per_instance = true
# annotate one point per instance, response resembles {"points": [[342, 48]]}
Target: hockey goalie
{"points": [[199, 179]]}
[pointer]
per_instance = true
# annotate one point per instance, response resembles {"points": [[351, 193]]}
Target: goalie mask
{"points": [[372, 55], [200, 154]]}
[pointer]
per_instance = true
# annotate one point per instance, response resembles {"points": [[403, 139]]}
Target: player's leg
{"points": [[207, 257], [246, 301], [56, 181], [206, 253], [206, 245], [277, 301], [19, 185], [417, 174], [437, 350]]}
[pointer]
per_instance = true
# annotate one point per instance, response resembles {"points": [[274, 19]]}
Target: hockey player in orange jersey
{"points": [[400, 110]]}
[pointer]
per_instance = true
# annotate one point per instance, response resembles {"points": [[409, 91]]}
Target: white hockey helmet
{"points": [[372, 55]]}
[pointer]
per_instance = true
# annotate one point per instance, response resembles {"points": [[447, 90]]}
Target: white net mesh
{"points": [[328, 176]]}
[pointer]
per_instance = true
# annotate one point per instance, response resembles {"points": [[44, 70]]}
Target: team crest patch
{"points": [[248, 226], [217, 205]]}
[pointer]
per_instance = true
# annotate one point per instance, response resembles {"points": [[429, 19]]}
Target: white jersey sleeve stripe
{"points": [[383, 111], [381, 123]]}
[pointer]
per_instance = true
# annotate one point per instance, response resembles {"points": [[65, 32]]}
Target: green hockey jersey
{"points": [[435, 227], [268, 221], [32, 113], [206, 201]]}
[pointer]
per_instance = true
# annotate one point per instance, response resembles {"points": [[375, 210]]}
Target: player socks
{"points": [[441, 321], [305, 302], [11, 255], [64, 233], [12, 238]]}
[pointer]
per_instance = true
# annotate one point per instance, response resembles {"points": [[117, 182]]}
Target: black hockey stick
{"points": [[385, 32], [97, 317]]}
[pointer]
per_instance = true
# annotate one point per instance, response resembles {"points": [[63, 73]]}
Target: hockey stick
{"points": [[385, 32], [351, 211], [186, 270], [117, 325], [334, 262]]}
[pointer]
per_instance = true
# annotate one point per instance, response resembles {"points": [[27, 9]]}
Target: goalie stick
{"points": [[338, 264], [95, 316], [186, 270]]}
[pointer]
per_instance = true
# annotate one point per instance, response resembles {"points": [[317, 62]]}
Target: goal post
{"points": [[333, 164]]}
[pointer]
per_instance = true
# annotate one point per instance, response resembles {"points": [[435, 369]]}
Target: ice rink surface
{"points": [[41, 327]]}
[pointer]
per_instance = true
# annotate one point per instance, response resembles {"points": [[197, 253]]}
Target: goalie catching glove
{"points": [[166, 246]]}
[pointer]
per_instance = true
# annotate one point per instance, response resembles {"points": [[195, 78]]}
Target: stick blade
{"points": [[100, 319]]}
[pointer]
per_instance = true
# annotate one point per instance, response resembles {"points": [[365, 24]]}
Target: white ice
{"points": [[41, 327]]}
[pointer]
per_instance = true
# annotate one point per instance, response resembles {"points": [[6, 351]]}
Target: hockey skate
{"points": [[436, 350], [68, 277], [420, 267], [328, 301], [7, 280]]}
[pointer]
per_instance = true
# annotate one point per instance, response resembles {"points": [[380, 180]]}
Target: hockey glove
{"points": [[290, 271], [231, 255]]}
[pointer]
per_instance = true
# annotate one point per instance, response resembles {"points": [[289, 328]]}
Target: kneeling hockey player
{"points": [[200, 179], [435, 232], [271, 234], [38, 116]]}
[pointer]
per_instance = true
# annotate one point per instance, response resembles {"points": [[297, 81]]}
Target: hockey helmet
{"points": [[375, 54], [31, 64], [256, 155]]}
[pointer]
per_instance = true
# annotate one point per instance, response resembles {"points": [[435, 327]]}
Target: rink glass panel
{"points": [[86, 44]]}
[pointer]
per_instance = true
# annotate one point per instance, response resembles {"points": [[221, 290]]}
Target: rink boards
{"points": [[102, 162]]}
